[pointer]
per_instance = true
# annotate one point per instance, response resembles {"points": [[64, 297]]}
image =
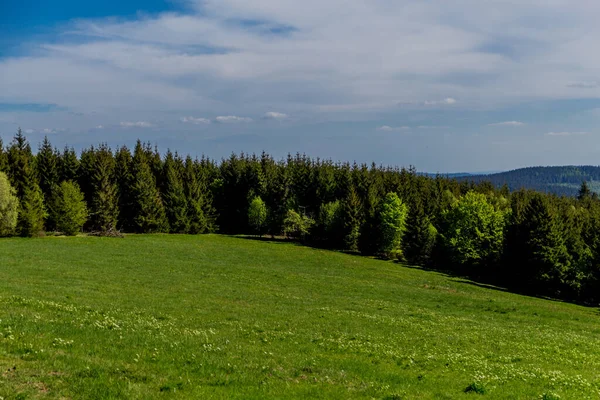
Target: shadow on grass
{"points": [[481, 282]]}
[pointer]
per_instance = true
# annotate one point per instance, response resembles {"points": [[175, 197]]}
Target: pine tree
{"points": [[124, 180], [48, 175], [351, 217], [68, 206], [584, 191], [68, 165], [149, 212], [419, 239], [24, 180], [194, 193], [105, 208], [47, 168], [174, 197]]}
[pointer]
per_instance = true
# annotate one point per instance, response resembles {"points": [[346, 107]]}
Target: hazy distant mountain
{"points": [[564, 180]]}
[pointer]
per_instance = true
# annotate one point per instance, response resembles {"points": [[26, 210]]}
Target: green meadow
{"points": [[203, 317]]}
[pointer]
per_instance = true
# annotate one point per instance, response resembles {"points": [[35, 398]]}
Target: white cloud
{"points": [[275, 115], [196, 121], [567, 133], [29, 131], [508, 123], [446, 102], [387, 128], [232, 119], [138, 124], [99, 127]]}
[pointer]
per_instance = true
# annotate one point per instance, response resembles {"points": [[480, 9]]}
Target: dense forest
{"points": [[562, 181], [529, 241]]}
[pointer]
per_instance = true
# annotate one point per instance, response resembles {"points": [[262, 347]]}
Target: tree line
{"points": [[525, 240]]}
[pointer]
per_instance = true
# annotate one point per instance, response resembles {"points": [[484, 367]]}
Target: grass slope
{"points": [[219, 317]]}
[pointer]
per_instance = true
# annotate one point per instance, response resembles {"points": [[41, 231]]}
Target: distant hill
{"points": [[564, 180]]}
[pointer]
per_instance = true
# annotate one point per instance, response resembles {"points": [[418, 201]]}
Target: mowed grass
{"points": [[203, 317]]}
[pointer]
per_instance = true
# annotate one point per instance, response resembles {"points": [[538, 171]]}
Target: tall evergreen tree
{"points": [[352, 221], [196, 207], [68, 165], [24, 180], [174, 197], [9, 207], [104, 205], [48, 174], [124, 180], [149, 212], [419, 239]]}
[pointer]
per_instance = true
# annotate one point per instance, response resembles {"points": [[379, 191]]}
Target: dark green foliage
{"points": [[24, 179], [68, 165], [420, 236], [104, 206], [174, 196], [68, 208], [124, 179], [48, 173], [47, 163], [200, 213], [149, 212], [351, 211]]}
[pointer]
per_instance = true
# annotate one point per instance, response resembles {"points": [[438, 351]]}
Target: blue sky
{"points": [[444, 86]]}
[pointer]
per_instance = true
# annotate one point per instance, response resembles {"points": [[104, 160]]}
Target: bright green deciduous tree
{"points": [[9, 207], [392, 215], [297, 226], [68, 208], [473, 231], [257, 215]]}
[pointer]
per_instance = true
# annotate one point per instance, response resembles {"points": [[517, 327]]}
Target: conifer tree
{"points": [[149, 212], [174, 197], [584, 192], [24, 180], [69, 208], [68, 165], [47, 168], [419, 239], [196, 202], [105, 207], [351, 219], [48, 175], [124, 180]]}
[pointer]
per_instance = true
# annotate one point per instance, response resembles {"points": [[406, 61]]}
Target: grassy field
{"points": [[205, 317]]}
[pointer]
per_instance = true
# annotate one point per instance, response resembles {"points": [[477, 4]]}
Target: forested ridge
{"points": [[563, 180], [526, 240]]}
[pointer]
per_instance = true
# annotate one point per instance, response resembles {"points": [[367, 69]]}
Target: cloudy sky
{"points": [[462, 85]]}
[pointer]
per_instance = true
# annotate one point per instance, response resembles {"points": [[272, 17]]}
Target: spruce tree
{"points": [[196, 201], [124, 180], [47, 168], [24, 180], [584, 192], [69, 208], [351, 219], [174, 197], [419, 239], [105, 208], [149, 212], [68, 165], [48, 175]]}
